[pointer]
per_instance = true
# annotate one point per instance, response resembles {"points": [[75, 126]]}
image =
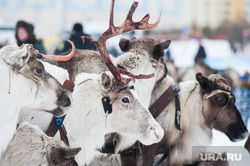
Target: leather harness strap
{"points": [[177, 113], [54, 126], [162, 102], [57, 123]]}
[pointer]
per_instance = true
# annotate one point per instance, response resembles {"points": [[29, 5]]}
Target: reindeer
{"points": [[95, 123], [25, 83], [30, 146], [205, 104]]}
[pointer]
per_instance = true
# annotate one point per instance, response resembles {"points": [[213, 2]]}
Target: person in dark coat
{"points": [[25, 34], [201, 54], [76, 34]]}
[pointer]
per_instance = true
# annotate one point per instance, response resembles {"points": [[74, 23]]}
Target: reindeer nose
{"points": [[158, 131], [64, 98]]}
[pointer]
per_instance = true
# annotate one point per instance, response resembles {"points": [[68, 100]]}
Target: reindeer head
{"points": [[26, 74], [129, 116], [144, 55], [219, 108], [119, 109], [63, 156], [30, 146]]}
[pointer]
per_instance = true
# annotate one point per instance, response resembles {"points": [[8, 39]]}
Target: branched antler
{"points": [[126, 26]]}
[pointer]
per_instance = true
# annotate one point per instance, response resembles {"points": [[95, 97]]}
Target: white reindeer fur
{"points": [[91, 135], [11, 103], [195, 132], [24, 92], [141, 64], [86, 122]]}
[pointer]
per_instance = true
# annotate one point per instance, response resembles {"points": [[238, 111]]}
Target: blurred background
{"points": [[222, 26]]}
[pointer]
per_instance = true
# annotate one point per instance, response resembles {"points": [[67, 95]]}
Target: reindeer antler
{"points": [[126, 26], [59, 57]]}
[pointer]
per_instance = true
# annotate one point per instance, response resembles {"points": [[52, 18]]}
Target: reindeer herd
{"points": [[113, 104]]}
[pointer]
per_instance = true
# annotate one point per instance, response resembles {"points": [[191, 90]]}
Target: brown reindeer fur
{"points": [[88, 61]]}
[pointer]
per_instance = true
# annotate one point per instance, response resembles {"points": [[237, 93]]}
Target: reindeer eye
{"points": [[220, 100], [38, 70], [125, 100]]}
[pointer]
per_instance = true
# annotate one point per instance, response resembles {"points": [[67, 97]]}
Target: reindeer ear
{"points": [[159, 49], [204, 82], [23, 56], [72, 152], [124, 44], [106, 81], [59, 153]]}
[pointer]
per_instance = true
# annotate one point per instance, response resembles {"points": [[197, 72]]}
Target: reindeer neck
{"points": [[160, 88], [88, 132], [194, 131], [191, 104], [85, 121], [11, 102]]}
